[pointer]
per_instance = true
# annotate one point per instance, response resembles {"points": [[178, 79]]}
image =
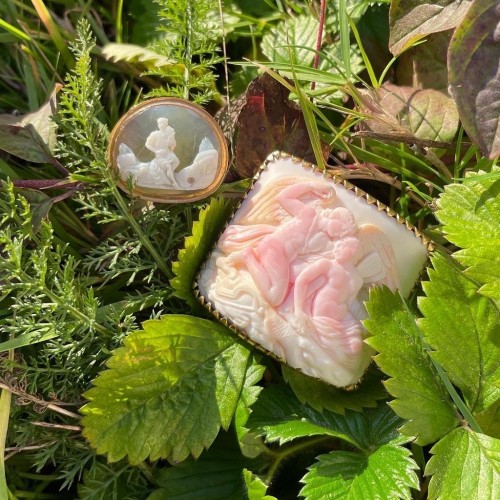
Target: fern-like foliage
{"points": [[190, 40]]}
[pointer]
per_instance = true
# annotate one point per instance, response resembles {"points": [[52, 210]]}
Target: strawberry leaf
{"points": [[421, 397], [470, 213], [387, 472], [256, 488], [196, 247], [218, 473], [292, 39], [460, 325], [320, 395], [465, 465], [167, 392], [281, 417]]}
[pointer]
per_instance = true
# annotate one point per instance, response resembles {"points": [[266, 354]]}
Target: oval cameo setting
{"points": [[168, 150]]}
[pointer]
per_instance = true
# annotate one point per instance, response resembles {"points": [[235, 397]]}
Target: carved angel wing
{"points": [[376, 264], [264, 208]]}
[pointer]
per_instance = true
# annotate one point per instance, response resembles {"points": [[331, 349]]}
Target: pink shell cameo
{"points": [[293, 268]]}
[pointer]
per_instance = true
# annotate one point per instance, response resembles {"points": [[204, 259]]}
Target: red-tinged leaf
{"points": [[424, 114], [267, 122], [474, 74]]}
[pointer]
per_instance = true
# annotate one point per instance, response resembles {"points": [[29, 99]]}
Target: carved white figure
{"points": [[292, 271], [162, 171]]}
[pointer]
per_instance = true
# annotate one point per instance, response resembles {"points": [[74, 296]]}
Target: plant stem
{"points": [[319, 40], [187, 53], [288, 452], [5, 400], [462, 407], [135, 226]]}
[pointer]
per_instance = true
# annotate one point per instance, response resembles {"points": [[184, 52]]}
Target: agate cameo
{"points": [[168, 150], [292, 269]]}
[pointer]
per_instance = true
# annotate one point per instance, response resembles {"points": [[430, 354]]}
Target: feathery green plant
{"points": [[190, 36]]}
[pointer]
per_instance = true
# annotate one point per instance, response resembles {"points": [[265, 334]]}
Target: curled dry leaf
{"points": [[32, 136]]}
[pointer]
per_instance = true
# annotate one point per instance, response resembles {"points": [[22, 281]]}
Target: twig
{"points": [[33, 399], [18, 449], [319, 39], [76, 428]]}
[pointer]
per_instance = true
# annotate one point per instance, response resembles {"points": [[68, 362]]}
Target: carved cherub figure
{"points": [[160, 170], [268, 262]]}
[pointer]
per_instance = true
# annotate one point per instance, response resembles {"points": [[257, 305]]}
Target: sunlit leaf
{"points": [[196, 247], [421, 397], [465, 465], [256, 489], [131, 53], [292, 40], [387, 472], [470, 213], [412, 20], [474, 74], [167, 392], [250, 443], [459, 325]]}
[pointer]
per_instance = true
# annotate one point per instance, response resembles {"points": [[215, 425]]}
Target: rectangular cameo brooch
{"points": [[293, 267]]}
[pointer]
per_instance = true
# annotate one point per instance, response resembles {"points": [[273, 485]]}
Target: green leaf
{"points": [[465, 465], [167, 392], [412, 20], [196, 247], [292, 40], [421, 397], [459, 325], [281, 417], [216, 475], [27, 339], [256, 488], [112, 482], [470, 213], [387, 472], [474, 75], [251, 445], [489, 420], [321, 395], [131, 53]]}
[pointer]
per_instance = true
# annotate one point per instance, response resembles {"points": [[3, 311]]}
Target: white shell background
{"points": [[190, 129]]}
